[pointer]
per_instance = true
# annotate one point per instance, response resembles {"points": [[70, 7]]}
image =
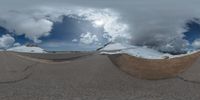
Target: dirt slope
{"points": [[153, 68]]}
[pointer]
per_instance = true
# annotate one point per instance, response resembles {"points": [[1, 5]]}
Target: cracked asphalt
{"points": [[92, 77]]}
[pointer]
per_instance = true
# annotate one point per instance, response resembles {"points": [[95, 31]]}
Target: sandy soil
{"points": [[153, 68]]}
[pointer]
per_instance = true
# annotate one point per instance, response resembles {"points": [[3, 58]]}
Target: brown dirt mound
{"points": [[57, 57], [153, 69]]}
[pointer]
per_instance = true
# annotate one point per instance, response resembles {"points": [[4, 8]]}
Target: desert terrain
{"points": [[86, 76]]}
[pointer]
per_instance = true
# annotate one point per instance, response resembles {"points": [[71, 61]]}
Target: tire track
{"points": [[16, 75]]}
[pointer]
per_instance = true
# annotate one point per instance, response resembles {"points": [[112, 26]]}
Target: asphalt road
{"points": [[91, 77]]}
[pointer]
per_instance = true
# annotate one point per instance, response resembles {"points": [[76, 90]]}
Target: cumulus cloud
{"points": [[6, 41], [161, 29], [88, 38], [16, 44], [106, 18], [196, 44], [74, 40], [158, 23], [109, 20], [22, 23], [37, 22]]}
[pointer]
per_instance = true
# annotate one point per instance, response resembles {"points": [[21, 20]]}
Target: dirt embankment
{"points": [[56, 56], [153, 68]]}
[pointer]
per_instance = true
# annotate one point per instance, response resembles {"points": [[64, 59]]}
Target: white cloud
{"points": [[109, 20], [155, 23], [22, 23], [16, 44], [38, 22], [196, 44], [6, 41], [74, 40], [88, 38]]}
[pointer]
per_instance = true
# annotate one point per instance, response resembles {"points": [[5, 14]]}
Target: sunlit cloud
{"points": [[39, 23], [99, 23], [196, 44], [6, 41], [88, 38], [157, 24]]}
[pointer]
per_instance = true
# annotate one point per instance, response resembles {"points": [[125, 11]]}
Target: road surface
{"points": [[92, 77]]}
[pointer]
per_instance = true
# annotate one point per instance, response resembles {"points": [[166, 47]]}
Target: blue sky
{"points": [[156, 24], [62, 34], [193, 32]]}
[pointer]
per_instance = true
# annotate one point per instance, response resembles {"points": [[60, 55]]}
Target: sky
{"points": [[165, 25]]}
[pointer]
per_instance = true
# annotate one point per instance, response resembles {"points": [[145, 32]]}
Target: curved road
{"points": [[91, 77]]}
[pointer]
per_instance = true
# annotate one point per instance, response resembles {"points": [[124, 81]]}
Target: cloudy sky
{"points": [[165, 25]]}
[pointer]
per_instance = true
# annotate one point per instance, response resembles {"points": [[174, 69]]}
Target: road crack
{"points": [[26, 76], [189, 81], [15, 81]]}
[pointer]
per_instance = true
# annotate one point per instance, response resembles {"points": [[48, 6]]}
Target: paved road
{"points": [[87, 78]]}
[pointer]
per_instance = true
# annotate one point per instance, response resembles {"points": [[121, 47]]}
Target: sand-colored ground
{"points": [[56, 56], [153, 68], [92, 77]]}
